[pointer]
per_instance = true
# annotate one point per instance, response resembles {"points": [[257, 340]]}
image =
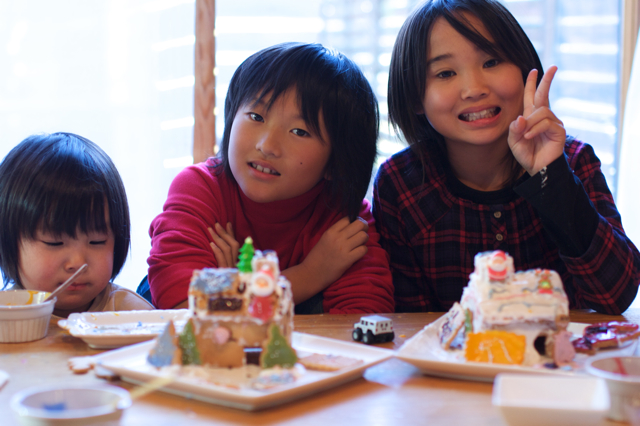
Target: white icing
{"points": [[521, 296]]}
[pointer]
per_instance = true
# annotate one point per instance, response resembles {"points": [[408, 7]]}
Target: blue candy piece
{"points": [[162, 354], [60, 406]]}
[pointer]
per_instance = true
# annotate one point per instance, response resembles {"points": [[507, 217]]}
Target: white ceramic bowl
{"points": [[23, 315], [540, 399], [624, 386], [69, 405]]}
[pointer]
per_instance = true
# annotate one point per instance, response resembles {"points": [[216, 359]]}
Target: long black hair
{"points": [[59, 183], [327, 83]]}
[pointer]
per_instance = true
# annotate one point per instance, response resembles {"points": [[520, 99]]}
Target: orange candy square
{"points": [[494, 346]]}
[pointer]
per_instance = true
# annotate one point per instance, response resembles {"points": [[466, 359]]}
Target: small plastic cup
{"points": [[622, 375], [70, 405], [24, 316]]}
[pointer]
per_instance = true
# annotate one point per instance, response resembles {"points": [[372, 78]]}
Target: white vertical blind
{"points": [[245, 27]]}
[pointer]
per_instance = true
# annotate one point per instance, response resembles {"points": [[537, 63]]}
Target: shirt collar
{"points": [[282, 210]]}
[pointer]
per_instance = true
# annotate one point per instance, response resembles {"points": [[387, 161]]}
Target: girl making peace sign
{"points": [[489, 166]]}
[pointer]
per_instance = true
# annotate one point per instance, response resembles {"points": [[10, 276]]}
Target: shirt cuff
{"points": [[563, 205]]}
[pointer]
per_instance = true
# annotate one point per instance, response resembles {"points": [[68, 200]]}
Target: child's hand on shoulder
{"points": [[537, 137], [225, 247], [343, 244]]}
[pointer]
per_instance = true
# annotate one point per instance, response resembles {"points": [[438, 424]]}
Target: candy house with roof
{"points": [[526, 305], [235, 314]]}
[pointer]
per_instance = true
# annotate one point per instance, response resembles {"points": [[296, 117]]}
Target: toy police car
{"points": [[373, 329]]}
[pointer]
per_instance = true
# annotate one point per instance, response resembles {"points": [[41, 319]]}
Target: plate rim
{"points": [[114, 340], [4, 378], [471, 371], [258, 400]]}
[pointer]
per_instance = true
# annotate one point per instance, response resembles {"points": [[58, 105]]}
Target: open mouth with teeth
{"points": [[473, 116], [264, 169]]}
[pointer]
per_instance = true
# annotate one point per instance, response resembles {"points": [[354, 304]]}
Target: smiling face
{"points": [[273, 154], [47, 261], [471, 96]]}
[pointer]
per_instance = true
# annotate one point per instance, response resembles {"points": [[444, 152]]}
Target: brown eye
{"points": [[300, 132], [491, 63], [445, 74], [256, 117]]}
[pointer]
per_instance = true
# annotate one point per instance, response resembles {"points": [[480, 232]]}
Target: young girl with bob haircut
{"points": [[295, 160], [63, 204], [489, 166]]}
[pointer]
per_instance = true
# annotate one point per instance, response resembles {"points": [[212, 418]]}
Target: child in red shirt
{"points": [[301, 124]]}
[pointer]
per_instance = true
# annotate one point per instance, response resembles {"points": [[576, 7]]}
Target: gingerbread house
{"points": [[235, 314], [522, 310]]}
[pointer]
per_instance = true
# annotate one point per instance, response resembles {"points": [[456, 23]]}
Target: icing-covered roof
{"points": [[214, 280], [501, 295]]}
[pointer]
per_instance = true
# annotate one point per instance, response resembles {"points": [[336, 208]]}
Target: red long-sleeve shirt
{"points": [[198, 198]]}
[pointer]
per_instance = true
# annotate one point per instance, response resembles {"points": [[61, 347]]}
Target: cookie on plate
{"points": [[328, 362]]}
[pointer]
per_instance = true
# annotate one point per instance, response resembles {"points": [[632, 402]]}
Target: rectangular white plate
{"points": [[108, 330], [131, 365], [424, 351]]}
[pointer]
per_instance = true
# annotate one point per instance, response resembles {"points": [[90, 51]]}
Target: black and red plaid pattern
{"points": [[432, 227]]}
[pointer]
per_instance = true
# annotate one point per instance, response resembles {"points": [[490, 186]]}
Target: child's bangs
{"points": [[510, 43], [65, 201], [73, 214], [308, 103], [306, 72], [462, 25]]}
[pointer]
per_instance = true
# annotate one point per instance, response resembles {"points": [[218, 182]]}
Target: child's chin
{"points": [[71, 305]]}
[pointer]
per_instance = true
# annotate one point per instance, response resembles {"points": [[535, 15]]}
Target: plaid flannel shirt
{"points": [[432, 227]]}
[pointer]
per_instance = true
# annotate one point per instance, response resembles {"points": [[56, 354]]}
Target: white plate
{"points": [[131, 364], [424, 351], [108, 330]]}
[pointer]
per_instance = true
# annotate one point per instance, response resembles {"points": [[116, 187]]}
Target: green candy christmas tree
{"points": [[245, 256], [278, 351], [187, 342]]}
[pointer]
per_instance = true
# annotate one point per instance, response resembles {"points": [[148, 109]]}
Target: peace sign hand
{"points": [[537, 137]]}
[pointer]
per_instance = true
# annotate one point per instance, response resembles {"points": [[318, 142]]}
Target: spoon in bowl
{"points": [[65, 284]]}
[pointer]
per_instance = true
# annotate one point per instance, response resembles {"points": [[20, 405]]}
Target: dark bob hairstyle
{"points": [[408, 69], [327, 83], [61, 184]]}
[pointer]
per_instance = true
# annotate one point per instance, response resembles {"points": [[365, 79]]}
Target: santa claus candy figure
{"points": [[497, 266], [263, 285]]}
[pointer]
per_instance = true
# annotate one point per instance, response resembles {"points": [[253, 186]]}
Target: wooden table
{"points": [[390, 393]]}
